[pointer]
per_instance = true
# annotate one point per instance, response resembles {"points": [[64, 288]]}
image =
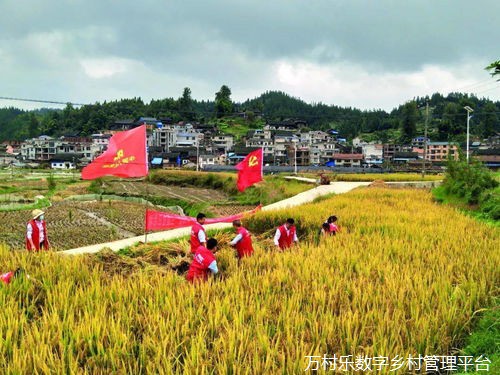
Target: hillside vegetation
{"points": [[447, 118]]}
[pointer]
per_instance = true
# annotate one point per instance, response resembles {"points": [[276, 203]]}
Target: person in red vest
{"points": [[203, 263], [36, 232], [243, 240], [333, 227], [198, 234], [286, 235], [7, 277]]}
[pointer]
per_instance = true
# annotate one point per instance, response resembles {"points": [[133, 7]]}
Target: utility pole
{"points": [[469, 110], [425, 136], [197, 153]]}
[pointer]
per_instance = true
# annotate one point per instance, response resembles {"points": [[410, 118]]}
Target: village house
{"points": [[440, 151], [347, 160]]}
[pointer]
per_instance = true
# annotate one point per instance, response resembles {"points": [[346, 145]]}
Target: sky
{"points": [[349, 53]]}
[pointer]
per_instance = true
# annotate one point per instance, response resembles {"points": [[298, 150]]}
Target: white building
{"points": [[373, 153], [165, 138], [222, 141]]}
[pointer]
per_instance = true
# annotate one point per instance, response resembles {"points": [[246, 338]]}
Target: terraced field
{"points": [[138, 188], [75, 224]]}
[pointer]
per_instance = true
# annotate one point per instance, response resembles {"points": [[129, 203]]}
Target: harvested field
{"points": [[227, 210], [139, 188], [76, 224]]}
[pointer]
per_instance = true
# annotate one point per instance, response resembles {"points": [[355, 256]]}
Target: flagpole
{"points": [[147, 195], [261, 175], [146, 212]]}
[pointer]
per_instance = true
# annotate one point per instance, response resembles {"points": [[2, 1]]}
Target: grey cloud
{"points": [[203, 44]]}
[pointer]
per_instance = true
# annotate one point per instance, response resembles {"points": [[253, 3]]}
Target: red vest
{"points": [[7, 277], [195, 242], [333, 228], [286, 239], [35, 236], [199, 266], [244, 246]]}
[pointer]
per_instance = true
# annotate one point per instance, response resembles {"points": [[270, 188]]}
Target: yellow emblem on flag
{"points": [[253, 161], [119, 159]]}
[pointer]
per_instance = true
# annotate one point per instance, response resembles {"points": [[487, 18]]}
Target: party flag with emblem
{"points": [[250, 170], [126, 156]]}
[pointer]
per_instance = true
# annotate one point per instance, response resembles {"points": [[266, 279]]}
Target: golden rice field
{"points": [[403, 277]]}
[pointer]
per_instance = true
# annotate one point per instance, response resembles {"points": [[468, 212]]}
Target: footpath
{"points": [[297, 200]]}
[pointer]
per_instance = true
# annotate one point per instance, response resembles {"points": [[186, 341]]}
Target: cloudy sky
{"points": [[364, 54]]}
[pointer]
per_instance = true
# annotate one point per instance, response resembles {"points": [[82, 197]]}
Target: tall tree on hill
{"points": [[186, 105], [409, 115], [448, 125], [33, 126], [489, 120], [223, 103]]}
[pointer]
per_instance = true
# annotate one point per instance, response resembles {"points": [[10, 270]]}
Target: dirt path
{"points": [[122, 232]]}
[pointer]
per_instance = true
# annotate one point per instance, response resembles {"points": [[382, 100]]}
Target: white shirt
{"points": [[201, 236], [277, 236], [213, 267], [29, 230], [236, 239]]}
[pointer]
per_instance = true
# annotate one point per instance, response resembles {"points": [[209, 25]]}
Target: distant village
{"points": [[203, 146]]}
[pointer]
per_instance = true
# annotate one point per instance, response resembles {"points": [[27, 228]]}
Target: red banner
{"points": [[250, 170], [157, 220], [126, 156]]}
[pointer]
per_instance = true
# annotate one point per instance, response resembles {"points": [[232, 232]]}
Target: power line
{"points": [[471, 86], [40, 101], [492, 88]]}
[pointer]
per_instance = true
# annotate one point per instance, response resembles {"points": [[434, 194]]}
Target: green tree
{"points": [[34, 125], [489, 120], [494, 67], [447, 123], [223, 103], [409, 115], [186, 105]]}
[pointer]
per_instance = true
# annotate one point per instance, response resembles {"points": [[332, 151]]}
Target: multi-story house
{"points": [[45, 148], [164, 137], [390, 149], [440, 151], [222, 142], [316, 136], [373, 154], [327, 152], [348, 160]]}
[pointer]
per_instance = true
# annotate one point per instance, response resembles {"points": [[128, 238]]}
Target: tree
{"points": [[489, 120], [223, 103], [495, 67], [448, 125], [186, 105], [33, 126], [409, 115]]}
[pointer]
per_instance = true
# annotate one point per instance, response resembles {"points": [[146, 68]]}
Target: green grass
{"points": [[485, 339], [238, 127], [441, 196], [272, 189]]}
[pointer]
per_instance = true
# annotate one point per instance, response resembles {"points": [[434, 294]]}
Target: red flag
{"points": [[157, 220], [126, 156], [250, 170]]}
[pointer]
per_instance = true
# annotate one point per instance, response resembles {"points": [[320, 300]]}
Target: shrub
{"points": [[468, 180], [489, 203], [51, 182]]}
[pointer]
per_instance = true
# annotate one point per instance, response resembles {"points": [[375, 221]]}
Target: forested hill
{"points": [[447, 117]]}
